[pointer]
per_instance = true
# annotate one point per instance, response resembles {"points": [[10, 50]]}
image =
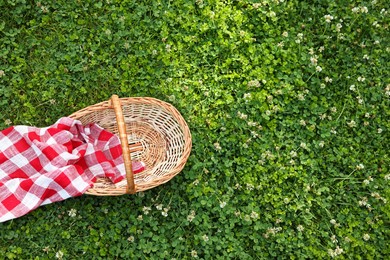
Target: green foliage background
{"points": [[288, 105]]}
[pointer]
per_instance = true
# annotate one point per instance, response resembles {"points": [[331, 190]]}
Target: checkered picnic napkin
{"points": [[39, 166]]}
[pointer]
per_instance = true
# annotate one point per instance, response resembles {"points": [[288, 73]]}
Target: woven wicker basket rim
{"points": [[170, 109]]}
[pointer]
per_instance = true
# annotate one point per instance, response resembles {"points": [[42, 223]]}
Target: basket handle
{"points": [[116, 104]]}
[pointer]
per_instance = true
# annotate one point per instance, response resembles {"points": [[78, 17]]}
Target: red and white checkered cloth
{"points": [[39, 166]]}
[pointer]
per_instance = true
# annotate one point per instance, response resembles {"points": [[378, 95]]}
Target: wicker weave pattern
{"points": [[157, 126]]}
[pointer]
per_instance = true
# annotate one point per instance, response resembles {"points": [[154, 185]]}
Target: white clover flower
{"points": [[360, 166], [254, 134], [293, 154], [328, 18], [249, 186], [72, 213], [334, 239], [333, 109], [328, 80], [300, 228], [285, 34], [217, 146], [194, 253], [301, 97], [242, 115], [361, 79], [338, 250], [261, 162], [247, 96], [352, 123], [2, 73], [376, 195], [322, 85], [44, 9], [321, 49], [379, 130], [254, 215], [318, 69], [366, 182], [366, 237], [355, 9], [237, 186], [314, 60], [191, 216], [338, 27], [140, 217], [159, 206], [331, 253], [130, 239], [254, 83], [205, 238], [303, 145], [352, 88], [7, 122], [222, 204], [164, 213], [321, 144], [256, 5], [59, 254], [363, 9], [302, 122], [387, 177], [250, 123], [146, 210]]}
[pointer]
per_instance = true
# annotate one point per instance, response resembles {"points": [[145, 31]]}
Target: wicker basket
{"points": [[151, 131]]}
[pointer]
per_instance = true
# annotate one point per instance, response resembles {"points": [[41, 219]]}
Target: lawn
{"points": [[287, 102]]}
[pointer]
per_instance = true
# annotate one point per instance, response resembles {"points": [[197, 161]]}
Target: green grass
{"points": [[288, 105]]}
